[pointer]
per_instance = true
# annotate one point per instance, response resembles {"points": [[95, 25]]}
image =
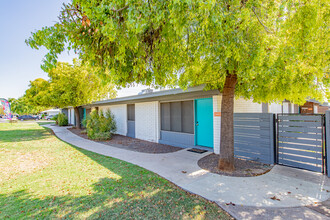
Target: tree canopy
{"points": [[260, 49], [278, 49], [22, 106], [38, 93], [69, 85]]}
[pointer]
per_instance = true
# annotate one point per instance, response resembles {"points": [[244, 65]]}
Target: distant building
{"points": [[51, 112], [314, 107]]}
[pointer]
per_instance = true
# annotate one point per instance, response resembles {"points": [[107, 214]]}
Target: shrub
{"points": [[84, 122], [100, 126], [62, 119]]}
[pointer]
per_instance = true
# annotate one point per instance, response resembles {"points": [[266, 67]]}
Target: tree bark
{"points": [[77, 117], [226, 159]]}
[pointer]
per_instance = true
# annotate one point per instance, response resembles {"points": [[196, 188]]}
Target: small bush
{"points": [[100, 126], [62, 119], [84, 122]]}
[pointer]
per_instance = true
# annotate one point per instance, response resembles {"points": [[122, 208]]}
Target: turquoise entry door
{"points": [[204, 122]]}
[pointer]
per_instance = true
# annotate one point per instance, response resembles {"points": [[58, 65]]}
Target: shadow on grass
{"points": [[22, 204], [20, 135], [137, 194], [134, 193]]}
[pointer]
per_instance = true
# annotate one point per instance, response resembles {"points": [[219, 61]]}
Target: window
{"points": [[188, 117], [131, 112], [177, 116]]}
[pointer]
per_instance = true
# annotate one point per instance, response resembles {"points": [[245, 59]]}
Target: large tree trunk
{"points": [[77, 117], [226, 160]]}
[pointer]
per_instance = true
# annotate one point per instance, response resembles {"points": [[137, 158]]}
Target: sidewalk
{"points": [[298, 191]]}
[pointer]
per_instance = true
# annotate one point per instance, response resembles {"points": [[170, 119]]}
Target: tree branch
{"points": [[69, 13], [266, 28], [119, 10], [321, 86]]}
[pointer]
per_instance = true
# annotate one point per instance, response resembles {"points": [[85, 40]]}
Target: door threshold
{"points": [[203, 148], [197, 151]]}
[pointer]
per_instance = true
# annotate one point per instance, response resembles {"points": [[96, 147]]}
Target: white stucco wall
{"points": [[216, 123], [247, 106], [275, 108], [71, 116], [294, 108], [52, 111], [120, 113], [147, 121], [286, 107]]}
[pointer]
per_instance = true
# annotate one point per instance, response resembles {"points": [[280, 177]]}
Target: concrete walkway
{"points": [[302, 194]]}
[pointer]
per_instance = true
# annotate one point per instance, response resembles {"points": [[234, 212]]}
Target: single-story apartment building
{"points": [[184, 118]]}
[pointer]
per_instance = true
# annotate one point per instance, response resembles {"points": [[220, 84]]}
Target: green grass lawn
{"points": [[43, 177]]}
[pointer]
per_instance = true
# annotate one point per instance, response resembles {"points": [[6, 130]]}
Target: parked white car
{"points": [[49, 117]]}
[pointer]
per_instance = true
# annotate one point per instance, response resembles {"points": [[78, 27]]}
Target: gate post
{"points": [[272, 138], [327, 141]]}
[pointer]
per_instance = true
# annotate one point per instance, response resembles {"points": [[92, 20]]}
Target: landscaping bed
{"points": [[243, 168], [46, 178], [132, 144]]}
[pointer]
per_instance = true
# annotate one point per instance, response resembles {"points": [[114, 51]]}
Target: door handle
{"points": [[196, 123]]}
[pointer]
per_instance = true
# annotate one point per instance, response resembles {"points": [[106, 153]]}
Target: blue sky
{"points": [[19, 64]]}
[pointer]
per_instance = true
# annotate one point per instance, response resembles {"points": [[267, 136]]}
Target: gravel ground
{"points": [[132, 144], [243, 168]]}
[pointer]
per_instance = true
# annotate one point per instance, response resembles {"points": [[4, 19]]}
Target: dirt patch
{"points": [[243, 168], [132, 144]]}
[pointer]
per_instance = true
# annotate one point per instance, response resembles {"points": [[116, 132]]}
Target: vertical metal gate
{"points": [[300, 141]]}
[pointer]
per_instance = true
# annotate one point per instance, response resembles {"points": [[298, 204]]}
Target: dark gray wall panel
{"points": [[165, 117], [131, 129], [188, 117], [254, 137], [65, 111], [175, 116], [131, 112], [264, 107], [177, 139], [81, 115]]}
